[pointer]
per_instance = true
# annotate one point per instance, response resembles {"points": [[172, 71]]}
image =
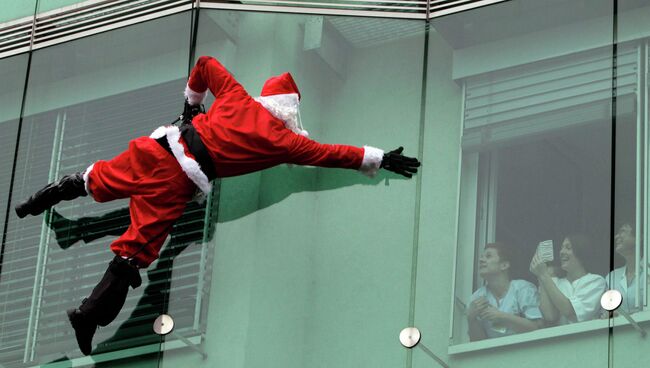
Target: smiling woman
{"points": [[540, 152], [576, 297]]}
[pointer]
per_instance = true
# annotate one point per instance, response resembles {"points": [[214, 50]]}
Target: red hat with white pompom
{"points": [[280, 85], [281, 97]]}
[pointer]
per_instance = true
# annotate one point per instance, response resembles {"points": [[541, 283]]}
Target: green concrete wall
{"points": [[315, 258]]}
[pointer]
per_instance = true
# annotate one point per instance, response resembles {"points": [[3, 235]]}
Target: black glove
{"points": [[190, 111], [394, 161]]}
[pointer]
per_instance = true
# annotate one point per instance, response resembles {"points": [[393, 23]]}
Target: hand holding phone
{"points": [[545, 250]]}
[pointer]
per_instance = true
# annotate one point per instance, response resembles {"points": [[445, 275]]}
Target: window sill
{"points": [[546, 333]]}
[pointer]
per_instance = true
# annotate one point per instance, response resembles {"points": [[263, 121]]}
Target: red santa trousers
{"points": [[158, 188]]}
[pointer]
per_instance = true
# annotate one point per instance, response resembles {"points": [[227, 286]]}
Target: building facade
{"points": [[530, 119]]}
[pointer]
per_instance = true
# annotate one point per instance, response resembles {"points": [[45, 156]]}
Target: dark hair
{"points": [[505, 255], [632, 224], [581, 246], [630, 221]]}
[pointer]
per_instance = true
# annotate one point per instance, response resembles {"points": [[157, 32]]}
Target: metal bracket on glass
{"points": [[410, 338], [164, 325], [611, 300]]}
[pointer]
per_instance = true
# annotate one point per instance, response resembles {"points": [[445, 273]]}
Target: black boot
{"points": [[84, 330], [105, 301], [67, 188]]}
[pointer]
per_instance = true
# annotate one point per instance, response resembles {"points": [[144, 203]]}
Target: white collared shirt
{"points": [[584, 294], [617, 280], [521, 299]]}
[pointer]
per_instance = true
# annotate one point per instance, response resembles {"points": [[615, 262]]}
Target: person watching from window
{"points": [[624, 278], [575, 297], [502, 306]]}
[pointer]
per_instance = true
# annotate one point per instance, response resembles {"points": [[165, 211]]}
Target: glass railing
{"points": [[83, 105], [314, 265], [530, 119]]}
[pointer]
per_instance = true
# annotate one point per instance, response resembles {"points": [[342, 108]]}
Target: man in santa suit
{"points": [[238, 135]]}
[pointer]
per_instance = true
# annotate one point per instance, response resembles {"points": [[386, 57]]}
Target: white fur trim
{"points": [[285, 107], [159, 132], [372, 158], [85, 176], [193, 97], [188, 164]]}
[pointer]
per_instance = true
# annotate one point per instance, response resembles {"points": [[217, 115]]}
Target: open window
{"points": [[537, 149]]}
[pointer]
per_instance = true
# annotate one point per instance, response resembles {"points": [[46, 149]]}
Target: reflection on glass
{"points": [[14, 281], [537, 153], [83, 104], [630, 226], [630, 278], [154, 301], [12, 78], [297, 262], [116, 97], [12, 10], [576, 296]]}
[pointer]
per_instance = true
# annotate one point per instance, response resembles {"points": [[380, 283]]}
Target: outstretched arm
{"points": [[368, 160]]}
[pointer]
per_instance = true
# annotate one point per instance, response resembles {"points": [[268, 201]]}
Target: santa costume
{"points": [[239, 134]]}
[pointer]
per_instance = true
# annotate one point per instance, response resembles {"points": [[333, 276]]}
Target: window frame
{"points": [[475, 228], [32, 338]]}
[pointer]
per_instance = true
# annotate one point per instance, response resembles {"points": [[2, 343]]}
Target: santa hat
{"points": [[280, 85], [281, 97]]}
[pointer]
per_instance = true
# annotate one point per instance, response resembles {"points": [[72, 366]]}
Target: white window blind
{"points": [[40, 280], [548, 95]]}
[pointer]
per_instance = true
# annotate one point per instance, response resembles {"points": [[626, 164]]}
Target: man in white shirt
{"points": [[624, 279], [502, 306]]}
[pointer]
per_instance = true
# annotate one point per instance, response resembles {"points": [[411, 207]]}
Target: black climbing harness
{"points": [[189, 112]]}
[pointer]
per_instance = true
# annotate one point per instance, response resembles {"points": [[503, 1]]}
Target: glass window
{"points": [[83, 104], [12, 77], [630, 274], [536, 173], [15, 9], [12, 74], [305, 254]]}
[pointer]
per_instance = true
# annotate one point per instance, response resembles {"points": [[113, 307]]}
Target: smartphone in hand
{"points": [[545, 250]]}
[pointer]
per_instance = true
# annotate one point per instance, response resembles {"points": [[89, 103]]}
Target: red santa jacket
{"points": [[242, 136]]}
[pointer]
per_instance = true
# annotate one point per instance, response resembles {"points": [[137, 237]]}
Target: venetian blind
{"points": [[548, 95], [45, 271]]}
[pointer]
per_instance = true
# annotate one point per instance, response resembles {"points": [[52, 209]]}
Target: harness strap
{"points": [[162, 141], [196, 148]]}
